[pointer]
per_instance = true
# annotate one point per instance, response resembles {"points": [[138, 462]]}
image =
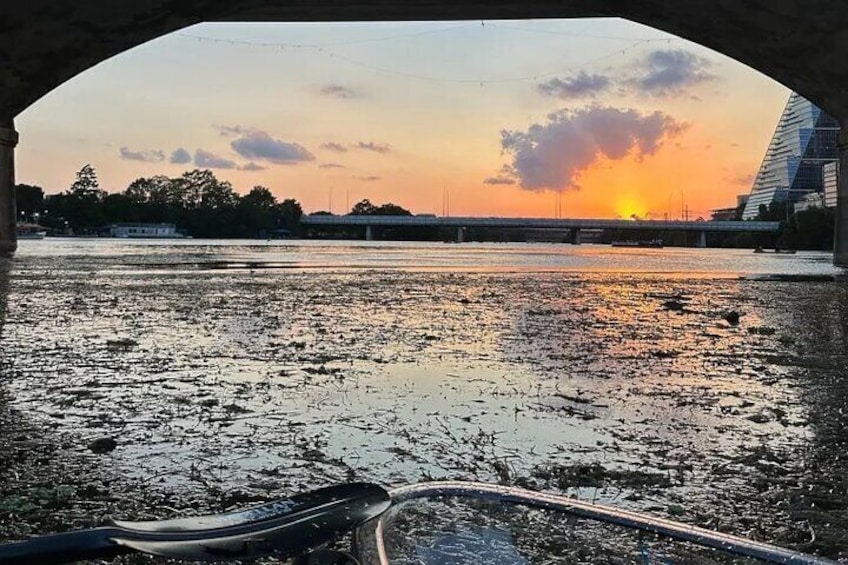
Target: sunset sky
{"points": [[500, 115]]}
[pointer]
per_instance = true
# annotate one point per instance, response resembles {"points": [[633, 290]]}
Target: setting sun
{"points": [[629, 207]]}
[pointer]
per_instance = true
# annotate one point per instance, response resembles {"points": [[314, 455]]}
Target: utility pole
{"points": [[444, 203]]}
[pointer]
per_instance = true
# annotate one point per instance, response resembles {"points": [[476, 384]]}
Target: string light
{"points": [[321, 49], [328, 43]]}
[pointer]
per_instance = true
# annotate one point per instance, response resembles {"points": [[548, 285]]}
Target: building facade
{"points": [[804, 141], [830, 176], [811, 200]]}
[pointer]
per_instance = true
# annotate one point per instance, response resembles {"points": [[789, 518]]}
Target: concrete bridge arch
{"points": [[801, 43]]}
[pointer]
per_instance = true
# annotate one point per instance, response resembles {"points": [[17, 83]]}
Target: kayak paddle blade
{"points": [[284, 528]]}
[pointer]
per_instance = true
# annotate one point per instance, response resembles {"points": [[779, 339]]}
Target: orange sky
{"points": [[434, 98]]}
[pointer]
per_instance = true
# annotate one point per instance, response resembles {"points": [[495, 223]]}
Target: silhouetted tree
{"points": [[86, 184], [363, 208], [392, 210], [81, 204], [814, 229], [289, 213], [256, 211], [30, 199], [366, 208]]}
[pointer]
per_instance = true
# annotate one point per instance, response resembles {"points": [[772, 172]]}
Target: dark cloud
{"points": [[744, 180], [260, 146], [148, 156], [251, 167], [180, 156], [331, 166], [499, 180], [670, 72], [371, 178], [333, 146], [371, 146], [339, 91], [582, 85], [232, 131], [505, 176], [208, 160], [552, 155]]}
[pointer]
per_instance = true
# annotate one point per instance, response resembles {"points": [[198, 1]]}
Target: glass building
{"points": [[803, 142]]}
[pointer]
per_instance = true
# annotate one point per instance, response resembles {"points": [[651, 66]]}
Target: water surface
{"points": [[233, 371]]}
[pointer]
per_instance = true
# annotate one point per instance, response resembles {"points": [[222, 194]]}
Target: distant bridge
{"points": [[575, 225]]}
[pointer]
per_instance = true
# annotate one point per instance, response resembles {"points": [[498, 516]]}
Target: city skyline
{"points": [[618, 118]]}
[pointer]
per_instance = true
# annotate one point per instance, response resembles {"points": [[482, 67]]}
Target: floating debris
{"points": [[103, 445]]}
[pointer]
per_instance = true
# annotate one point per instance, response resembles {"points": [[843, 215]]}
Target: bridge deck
{"points": [[476, 222]]}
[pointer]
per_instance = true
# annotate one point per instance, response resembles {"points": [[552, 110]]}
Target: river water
{"points": [[231, 371]]}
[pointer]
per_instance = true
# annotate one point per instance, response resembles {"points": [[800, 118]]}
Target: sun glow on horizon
{"points": [[628, 207]]}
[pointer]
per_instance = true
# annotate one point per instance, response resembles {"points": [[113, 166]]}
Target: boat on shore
{"points": [[31, 231], [656, 243], [777, 251]]}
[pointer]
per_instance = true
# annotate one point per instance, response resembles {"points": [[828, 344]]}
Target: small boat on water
{"points": [[778, 251], [641, 243], [31, 231]]}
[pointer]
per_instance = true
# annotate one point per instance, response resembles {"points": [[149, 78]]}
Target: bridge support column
{"points": [[460, 236], [369, 233], [702, 240], [8, 212], [840, 227], [575, 236]]}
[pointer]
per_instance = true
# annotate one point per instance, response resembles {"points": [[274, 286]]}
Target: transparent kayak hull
{"points": [[459, 523]]}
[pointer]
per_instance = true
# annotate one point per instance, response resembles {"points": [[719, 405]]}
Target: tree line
{"points": [[197, 202], [201, 205]]}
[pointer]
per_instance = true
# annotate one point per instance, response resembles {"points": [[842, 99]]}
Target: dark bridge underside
{"points": [[801, 43]]}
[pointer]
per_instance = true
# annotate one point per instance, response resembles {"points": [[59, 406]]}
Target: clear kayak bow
{"points": [[459, 523]]}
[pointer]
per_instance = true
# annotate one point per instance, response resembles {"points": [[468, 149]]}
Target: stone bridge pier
{"points": [[8, 210], [840, 228]]}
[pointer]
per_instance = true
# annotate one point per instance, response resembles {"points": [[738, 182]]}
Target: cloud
{"points": [[331, 166], [207, 160], [670, 72], [744, 179], [232, 131], [580, 86], [339, 91], [251, 167], [499, 180], [505, 176], [148, 156], [260, 146], [552, 155], [333, 146], [371, 178], [371, 146], [180, 156]]}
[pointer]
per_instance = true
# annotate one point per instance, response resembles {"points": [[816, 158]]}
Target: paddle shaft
{"points": [[64, 548]]}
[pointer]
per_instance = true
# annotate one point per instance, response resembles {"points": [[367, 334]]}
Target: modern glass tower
{"points": [[804, 141]]}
